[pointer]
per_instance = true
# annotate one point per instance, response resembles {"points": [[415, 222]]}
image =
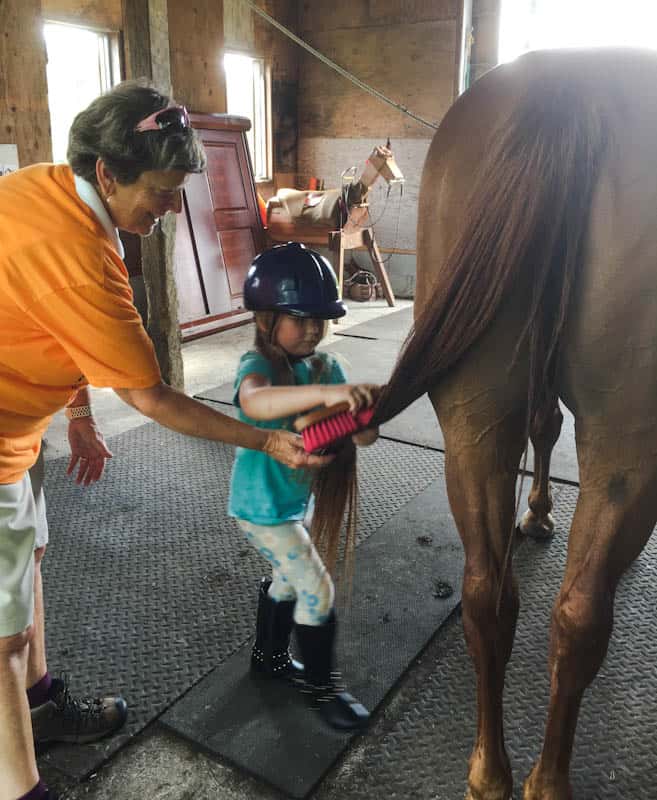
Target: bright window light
{"points": [[246, 96], [80, 67], [537, 24]]}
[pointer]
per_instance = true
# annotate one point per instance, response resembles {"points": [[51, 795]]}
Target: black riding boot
{"points": [[338, 708], [270, 655]]}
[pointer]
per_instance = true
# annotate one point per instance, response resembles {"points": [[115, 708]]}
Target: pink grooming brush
{"points": [[325, 427]]}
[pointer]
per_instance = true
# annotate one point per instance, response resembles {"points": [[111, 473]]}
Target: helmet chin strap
{"points": [[272, 327]]}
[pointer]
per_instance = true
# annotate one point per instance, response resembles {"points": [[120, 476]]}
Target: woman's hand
{"points": [[88, 449], [287, 448], [358, 395]]}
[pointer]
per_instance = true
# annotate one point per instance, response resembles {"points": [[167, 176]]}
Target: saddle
{"points": [[325, 209]]}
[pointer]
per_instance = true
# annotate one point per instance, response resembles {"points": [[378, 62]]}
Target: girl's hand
{"points": [[287, 448], [358, 395]]}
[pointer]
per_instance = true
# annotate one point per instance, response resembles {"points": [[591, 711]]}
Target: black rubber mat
{"points": [[396, 606], [372, 361], [149, 586], [421, 748], [394, 327]]}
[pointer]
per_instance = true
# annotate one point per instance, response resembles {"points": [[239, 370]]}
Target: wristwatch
{"points": [[76, 412]]}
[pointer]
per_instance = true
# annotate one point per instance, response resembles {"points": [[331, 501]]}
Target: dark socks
{"points": [[39, 694], [40, 792]]}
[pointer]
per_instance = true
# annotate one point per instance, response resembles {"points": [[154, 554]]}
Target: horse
{"points": [[536, 283]]}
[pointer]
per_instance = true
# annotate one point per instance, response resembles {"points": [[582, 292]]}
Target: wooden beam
{"points": [[103, 15], [146, 42], [136, 39]]}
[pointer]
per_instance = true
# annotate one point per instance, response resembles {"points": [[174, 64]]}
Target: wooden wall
{"points": [[24, 116], [322, 124], [407, 49], [200, 33], [196, 40], [101, 14], [245, 31]]}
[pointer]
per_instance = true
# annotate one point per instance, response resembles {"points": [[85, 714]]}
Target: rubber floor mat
{"points": [[394, 327], [265, 727], [148, 584], [420, 749]]}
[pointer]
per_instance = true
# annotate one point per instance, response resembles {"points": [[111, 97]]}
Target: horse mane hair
{"points": [[527, 215], [335, 488]]}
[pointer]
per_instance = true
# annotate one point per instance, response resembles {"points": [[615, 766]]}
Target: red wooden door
{"points": [[219, 232], [234, 205]]}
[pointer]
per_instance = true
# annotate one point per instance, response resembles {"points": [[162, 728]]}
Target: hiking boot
{"points": [[65, 718]]}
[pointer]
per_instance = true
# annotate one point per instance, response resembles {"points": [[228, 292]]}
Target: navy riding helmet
{"points": [[292, 279]]}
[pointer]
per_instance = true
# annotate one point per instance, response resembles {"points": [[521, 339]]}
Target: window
{"points": [[247, 95], [533, 24], [82, 64]]}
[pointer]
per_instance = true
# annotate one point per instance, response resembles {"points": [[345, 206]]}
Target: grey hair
{"points": [[106, 130]]}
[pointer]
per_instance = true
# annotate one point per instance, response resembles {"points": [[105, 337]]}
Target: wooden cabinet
{"points": [[219, 231]]}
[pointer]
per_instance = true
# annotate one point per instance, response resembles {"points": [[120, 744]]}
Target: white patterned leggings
{"points": [[298, 572]]}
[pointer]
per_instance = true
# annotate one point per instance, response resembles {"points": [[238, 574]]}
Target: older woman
{"points": [[67, 320]]}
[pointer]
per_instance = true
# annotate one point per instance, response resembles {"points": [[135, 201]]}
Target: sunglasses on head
{"points": [[172, 117]]}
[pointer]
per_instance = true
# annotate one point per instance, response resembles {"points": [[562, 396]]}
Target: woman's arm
{"points": [[183, 414], [262, 401]]}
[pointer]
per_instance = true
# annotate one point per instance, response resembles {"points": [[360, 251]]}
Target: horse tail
{"points": [[527, 216]]}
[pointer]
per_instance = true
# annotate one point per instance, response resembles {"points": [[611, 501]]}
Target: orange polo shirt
{"points": [[66, 311]]}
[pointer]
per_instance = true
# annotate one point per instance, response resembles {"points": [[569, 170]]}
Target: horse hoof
{"points": [[536, 789], [535, 527], [470, 795], [496, 793]]}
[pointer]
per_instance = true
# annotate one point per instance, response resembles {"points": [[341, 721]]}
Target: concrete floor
{"points": [[156, 765]]}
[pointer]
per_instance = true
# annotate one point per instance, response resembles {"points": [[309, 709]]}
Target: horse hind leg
{"points": [[481, 472], [615, 514], [537, 521]]}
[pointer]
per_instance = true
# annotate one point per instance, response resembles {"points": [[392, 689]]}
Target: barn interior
{"points": [[150, 588]]}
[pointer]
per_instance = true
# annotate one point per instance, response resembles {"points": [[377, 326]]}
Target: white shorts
{"points": [[23, 528]]}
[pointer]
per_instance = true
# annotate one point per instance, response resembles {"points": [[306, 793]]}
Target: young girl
{"points": [[293, 292]]}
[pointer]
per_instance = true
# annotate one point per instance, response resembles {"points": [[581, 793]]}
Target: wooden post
{"points": [[146, 43], [379, 266], [358, 233], [24, 115]]}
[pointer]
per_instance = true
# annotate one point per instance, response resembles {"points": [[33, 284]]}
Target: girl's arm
{"points": [[181, 413], [262, 401]]}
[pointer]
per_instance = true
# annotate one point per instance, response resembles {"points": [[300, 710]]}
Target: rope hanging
{"points": [[345, 74]]}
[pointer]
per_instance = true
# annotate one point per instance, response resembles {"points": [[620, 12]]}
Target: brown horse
{"points": [[537, 280]]}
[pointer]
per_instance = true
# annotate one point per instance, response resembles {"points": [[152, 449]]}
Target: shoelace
{"points": [[82, 711]]}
